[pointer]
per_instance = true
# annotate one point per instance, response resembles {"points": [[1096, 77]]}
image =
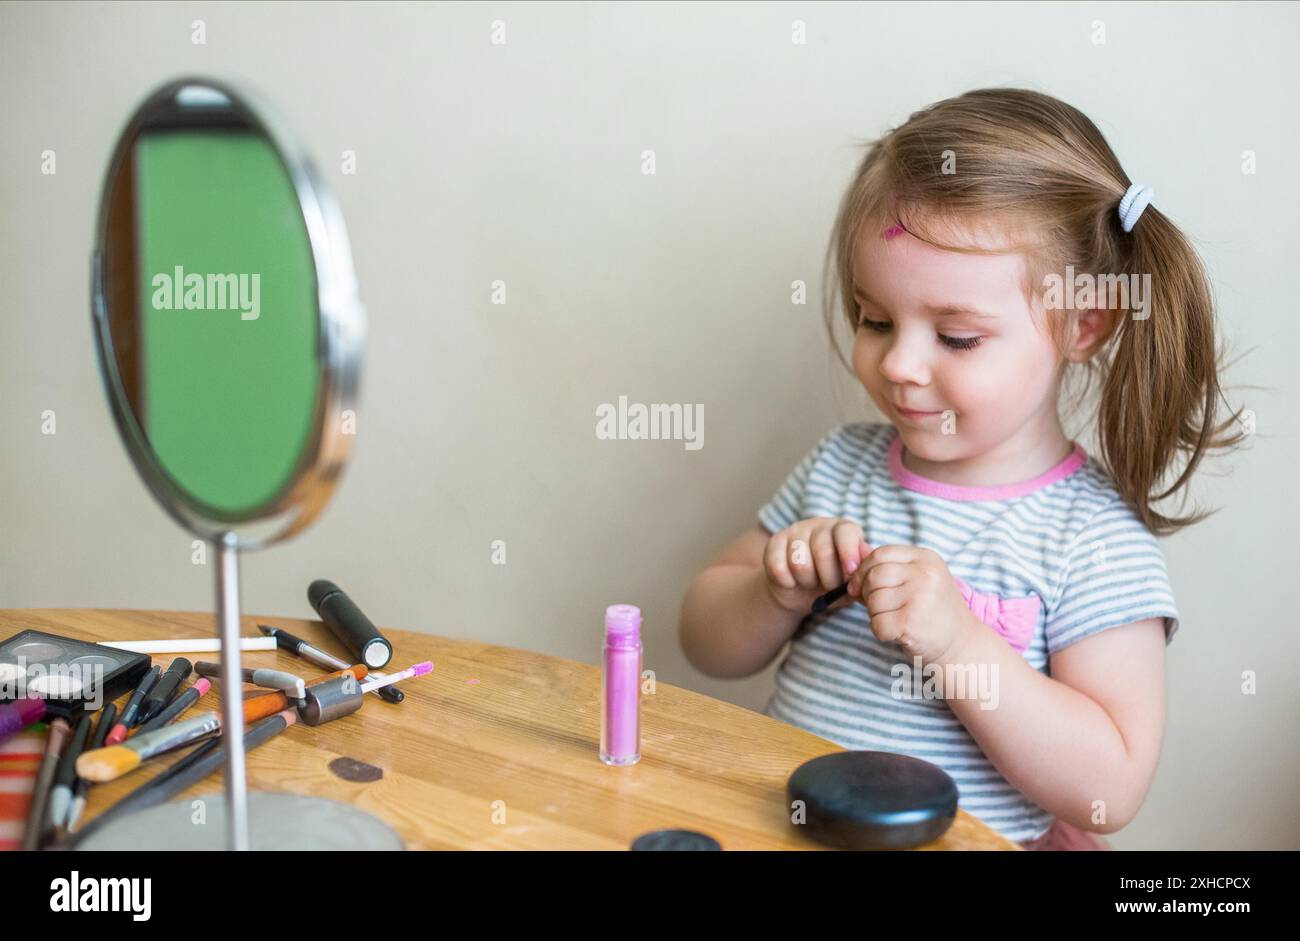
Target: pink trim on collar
{"points": [[912, 481]]}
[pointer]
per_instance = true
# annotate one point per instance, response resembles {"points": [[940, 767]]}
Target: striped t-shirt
{"points": [[1065, 537]]}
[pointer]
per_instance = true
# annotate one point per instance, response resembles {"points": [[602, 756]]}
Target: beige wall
{"points": [[521, 162]]}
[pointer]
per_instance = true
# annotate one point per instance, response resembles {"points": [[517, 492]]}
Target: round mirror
{"points": [[229, 335], [226, 312]]}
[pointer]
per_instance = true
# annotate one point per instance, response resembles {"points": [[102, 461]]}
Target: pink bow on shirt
{"points": [[1015, 619]]}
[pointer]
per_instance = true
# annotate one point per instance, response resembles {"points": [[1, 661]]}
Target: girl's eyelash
{"points": [[960, 343], [954, 343]]}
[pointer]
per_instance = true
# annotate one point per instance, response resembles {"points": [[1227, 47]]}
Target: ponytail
{"points": [[1160, 395]]}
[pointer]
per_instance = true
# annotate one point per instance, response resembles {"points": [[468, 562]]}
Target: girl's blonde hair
{"points": [[1032, 164]]}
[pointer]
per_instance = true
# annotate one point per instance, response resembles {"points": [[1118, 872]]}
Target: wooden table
{"points": [[498, 748]]}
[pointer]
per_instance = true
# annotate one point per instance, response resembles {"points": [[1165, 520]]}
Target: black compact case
{"points": [[72, 676], [872, 800]]}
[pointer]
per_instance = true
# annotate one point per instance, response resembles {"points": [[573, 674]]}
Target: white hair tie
{"points": [[1137, 198]]}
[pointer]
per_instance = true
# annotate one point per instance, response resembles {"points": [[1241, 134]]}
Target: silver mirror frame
{"points": [[341, 338]]}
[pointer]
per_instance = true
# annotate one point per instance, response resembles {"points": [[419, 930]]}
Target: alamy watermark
{"points": [[180, 291], [660, 421], [40, 680], [1082, 291], [79, 893], [962, 681]]}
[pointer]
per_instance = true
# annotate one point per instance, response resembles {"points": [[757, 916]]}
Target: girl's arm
{"points": [[1090, 732], [731, 625]]}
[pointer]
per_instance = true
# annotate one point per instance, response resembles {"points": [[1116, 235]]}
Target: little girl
{"points": [[1008, 605]]}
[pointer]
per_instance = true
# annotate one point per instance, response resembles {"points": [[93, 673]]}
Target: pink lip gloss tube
{"points": [[620, 687]]}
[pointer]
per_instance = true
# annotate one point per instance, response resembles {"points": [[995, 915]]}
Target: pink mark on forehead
{"points": [[894, 231]]}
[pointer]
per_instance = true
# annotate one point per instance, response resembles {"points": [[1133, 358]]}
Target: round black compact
{"points": [[676, 841], [872, 800]]}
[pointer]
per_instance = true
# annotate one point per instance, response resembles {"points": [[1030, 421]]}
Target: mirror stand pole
{"points": [[232, 704]]}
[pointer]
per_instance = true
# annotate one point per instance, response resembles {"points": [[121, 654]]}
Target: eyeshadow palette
{"points": [[72, 676]]}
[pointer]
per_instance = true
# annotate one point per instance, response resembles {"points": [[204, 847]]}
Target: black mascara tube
{"points": [[353, 629]]}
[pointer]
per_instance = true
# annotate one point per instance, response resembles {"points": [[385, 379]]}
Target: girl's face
{"points": [[948, 348]]}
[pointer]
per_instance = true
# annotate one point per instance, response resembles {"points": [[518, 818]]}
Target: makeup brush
{"points": [[109, 764]]}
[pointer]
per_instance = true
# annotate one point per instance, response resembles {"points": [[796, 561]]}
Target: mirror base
{"points": [[276, 822]]}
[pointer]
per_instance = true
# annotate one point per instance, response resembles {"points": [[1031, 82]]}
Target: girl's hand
{"points": [[913, 600], [810, 558]]}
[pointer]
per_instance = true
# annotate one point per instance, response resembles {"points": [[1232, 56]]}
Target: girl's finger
{"points": [[774, 560], [847, 537], [895, 553], [825, 561], [889, 626], [877, 574], [865, 553], [799, 560], [884, 600]]}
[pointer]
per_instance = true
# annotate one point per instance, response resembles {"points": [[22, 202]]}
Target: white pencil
{"points": [[188, 645]]}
